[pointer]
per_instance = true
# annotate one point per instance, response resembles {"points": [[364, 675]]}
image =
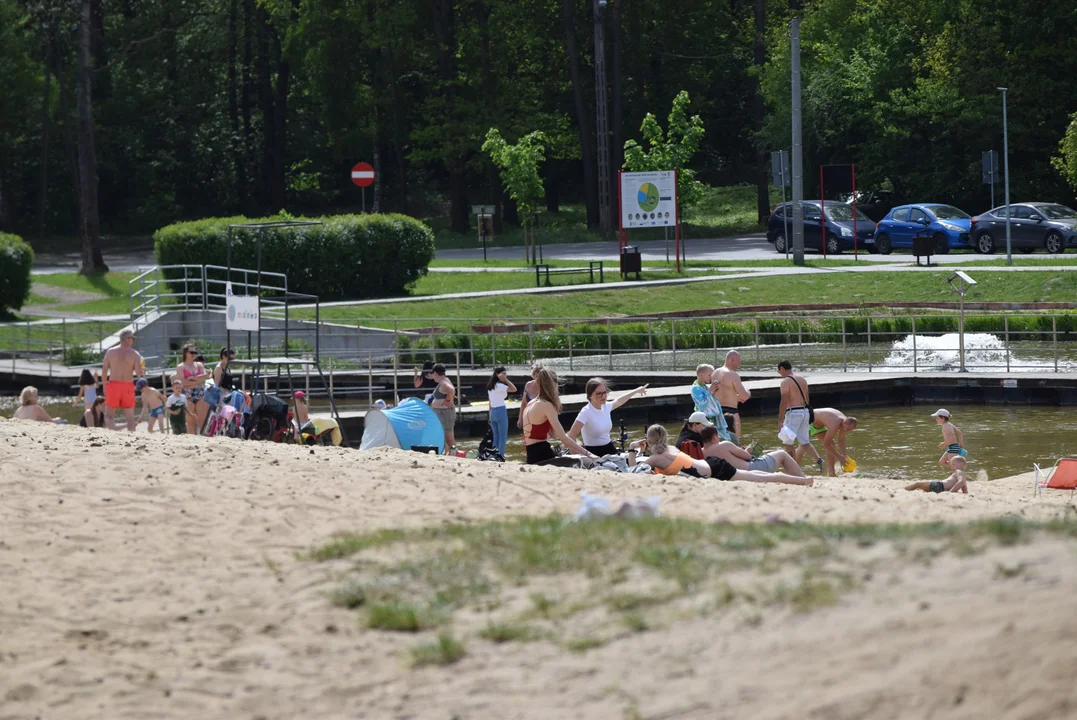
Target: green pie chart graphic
{"points": [[647, 197]]}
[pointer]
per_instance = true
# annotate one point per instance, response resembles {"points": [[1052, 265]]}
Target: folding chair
{"points": [[1063, 476]]}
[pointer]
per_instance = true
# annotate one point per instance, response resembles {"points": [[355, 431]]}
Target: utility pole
{"points": [[601, 125], [1006, 172], [798, 145]]}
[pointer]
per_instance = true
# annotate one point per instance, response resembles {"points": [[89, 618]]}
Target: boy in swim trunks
{"points": [[954, 483], [952, 439], [153, 401]]}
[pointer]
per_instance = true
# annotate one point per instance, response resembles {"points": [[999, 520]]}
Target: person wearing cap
{"points": [[424, 378], [952, 439], [153, 402], [118, 370], [691, 430]]}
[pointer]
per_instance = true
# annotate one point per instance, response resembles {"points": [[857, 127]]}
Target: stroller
{"points": [[270, 419], [487, 451], [227, 417]]}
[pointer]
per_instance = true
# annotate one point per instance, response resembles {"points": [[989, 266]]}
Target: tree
{"points": [[1066, 159], [89, 221], [670, 151], [519, 165]]}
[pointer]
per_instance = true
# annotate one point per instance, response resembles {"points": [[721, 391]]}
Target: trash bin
{"points": [[923, 246], [631, 261]]}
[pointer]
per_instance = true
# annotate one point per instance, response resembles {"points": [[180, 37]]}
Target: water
{"points": [[982, 351]]}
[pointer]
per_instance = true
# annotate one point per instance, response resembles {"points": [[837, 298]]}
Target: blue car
{"points": [[949, 226], [839, 226]]}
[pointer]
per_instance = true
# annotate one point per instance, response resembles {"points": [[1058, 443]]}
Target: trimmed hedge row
{"points": [[695, 334], [16, 261], [347, 256]]}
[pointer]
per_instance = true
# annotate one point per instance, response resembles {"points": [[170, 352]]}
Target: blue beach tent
{"points": [[411, 423]]}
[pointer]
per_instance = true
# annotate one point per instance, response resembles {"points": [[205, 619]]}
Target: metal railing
{"points": [[201, 287]]}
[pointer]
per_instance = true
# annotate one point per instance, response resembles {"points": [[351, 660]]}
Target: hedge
{"points": [[346, 257], [16, 260]]}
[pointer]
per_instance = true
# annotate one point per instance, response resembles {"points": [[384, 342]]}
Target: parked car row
{"points": [[1033, 225]]}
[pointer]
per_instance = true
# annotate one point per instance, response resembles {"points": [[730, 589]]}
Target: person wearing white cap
{"points": [[691, 429], [952, 439]]}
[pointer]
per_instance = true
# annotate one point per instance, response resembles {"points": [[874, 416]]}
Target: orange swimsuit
{"points": [[681, 462]]}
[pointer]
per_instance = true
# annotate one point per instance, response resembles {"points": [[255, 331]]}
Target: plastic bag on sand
{"points": [[595, 507]]}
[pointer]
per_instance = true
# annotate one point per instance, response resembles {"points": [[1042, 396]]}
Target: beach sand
{"points": [[146, 576]]}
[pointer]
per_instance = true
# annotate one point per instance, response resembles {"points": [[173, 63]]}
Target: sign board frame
{"points": [[242, 312], [665, 212]]}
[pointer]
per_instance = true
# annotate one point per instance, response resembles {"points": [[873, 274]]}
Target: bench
{"points": [[923, 245], [594, 265]]}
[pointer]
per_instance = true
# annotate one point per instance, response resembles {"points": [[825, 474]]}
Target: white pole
{"points": [[798, 148], [1006, 170]]}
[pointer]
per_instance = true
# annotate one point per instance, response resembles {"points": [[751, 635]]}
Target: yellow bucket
{"points": [[849, 465]]}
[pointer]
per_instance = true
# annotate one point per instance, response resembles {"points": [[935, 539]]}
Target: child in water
{"points": [[954, 483], [952, 439]]}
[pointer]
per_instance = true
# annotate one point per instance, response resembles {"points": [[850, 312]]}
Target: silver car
{"points": [[1050, 226]]}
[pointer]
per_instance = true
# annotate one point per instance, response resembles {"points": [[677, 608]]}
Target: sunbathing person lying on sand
{"points": [[954, 483], [667, 460], [741, 457]]}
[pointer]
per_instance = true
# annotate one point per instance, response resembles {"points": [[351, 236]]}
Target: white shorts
{"points": [[795, 427]]}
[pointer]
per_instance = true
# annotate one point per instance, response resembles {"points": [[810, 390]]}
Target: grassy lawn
{"points": [[582, 585], [723, 211], [611, 265], [445, 283], [112, 284], [111, 290], [836, 287]]}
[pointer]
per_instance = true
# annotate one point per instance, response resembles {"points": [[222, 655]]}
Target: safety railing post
{"points": [[63, 340], [758, 356], [570, 344], [714, 337], [869, 343], [459, 397], [205, 295], [844, 352], [673, 334], [471, 343], [493, 345], [609, 343], [396, 380], [1054, 339], [434, 341], [1006, 339], [530, 341], [800, 344], [650, 343]]}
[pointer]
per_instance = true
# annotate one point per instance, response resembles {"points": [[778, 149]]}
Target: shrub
{"points": [[16, 260], [348, 256]]}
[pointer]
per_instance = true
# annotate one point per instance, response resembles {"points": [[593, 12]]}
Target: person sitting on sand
{"points": [[832, 425], [955, 483], [952, 439], [668, 461], [540, 420], [742, 459], [29, 409], [153, 402], [177, 410], [94, 416], [690, 431]]}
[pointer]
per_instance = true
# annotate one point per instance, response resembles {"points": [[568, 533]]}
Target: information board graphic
{"points": [[648, 199]]}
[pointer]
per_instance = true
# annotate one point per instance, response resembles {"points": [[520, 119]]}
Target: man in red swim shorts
{"points": [[121, 364]]}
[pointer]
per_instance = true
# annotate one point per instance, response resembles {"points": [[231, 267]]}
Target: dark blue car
{"points": [[838, 232], [949, 226]]}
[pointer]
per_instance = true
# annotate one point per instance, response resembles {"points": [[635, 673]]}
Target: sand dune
{"points": [[145, 576]]}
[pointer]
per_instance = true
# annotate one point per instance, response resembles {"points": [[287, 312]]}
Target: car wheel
{"points": [[883, 244], [985, 244], [942, 245], [1053, 243], [779, 243], [833, 247]]}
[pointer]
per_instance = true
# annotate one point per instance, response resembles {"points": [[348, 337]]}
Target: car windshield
{"points": [[948, 212], [1056, 212], [844, 213]]}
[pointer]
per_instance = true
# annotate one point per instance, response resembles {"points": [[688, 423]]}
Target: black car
{"points": [[1050, 226], [874, 203]]}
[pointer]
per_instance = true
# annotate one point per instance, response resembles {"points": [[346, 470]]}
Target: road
{"points": [[729, 249]]}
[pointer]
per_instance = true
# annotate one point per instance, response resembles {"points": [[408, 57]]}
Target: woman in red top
{"points": [[540, 422]]}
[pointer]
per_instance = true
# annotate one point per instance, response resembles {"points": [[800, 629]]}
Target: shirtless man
{"points": [[121, 364], [955, 483], [832, 425], [741, 458], [726, 385], [793, 419]]}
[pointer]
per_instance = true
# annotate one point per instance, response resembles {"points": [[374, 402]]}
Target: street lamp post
{"points": [[601, 126], [1006, 171], [960, 282]]}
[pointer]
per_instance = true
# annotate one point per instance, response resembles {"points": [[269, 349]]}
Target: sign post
{"points": [[485, 220], [779, 170], [363, 175], [649, 199], [989, 160]]}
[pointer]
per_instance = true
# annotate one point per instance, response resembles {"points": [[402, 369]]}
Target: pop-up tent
{"points": [[410, 424]]}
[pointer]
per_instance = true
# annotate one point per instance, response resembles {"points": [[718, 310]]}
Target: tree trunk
{"points": [[239, 174], [102, 76], [590, 186], [617, 157], [46, 101], [89, 223], [759, 110]]}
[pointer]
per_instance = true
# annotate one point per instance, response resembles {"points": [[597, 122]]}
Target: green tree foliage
{"points": [[1066, 159], [672, 150], [16, 260], [519, 166]]}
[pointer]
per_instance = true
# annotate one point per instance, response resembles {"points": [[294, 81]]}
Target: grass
{"points": [[525, 579], [112, 288], [723, 211], [832, 287], [447, 283], [446, 651]]}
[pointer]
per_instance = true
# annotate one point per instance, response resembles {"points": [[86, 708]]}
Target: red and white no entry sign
{"points": [[363, 174]]}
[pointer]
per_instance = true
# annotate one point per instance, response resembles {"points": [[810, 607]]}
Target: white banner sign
{"points": [[648, 199], [242, 312]]}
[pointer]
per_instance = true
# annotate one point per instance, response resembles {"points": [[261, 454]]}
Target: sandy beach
{"points": [[149, 576]]}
